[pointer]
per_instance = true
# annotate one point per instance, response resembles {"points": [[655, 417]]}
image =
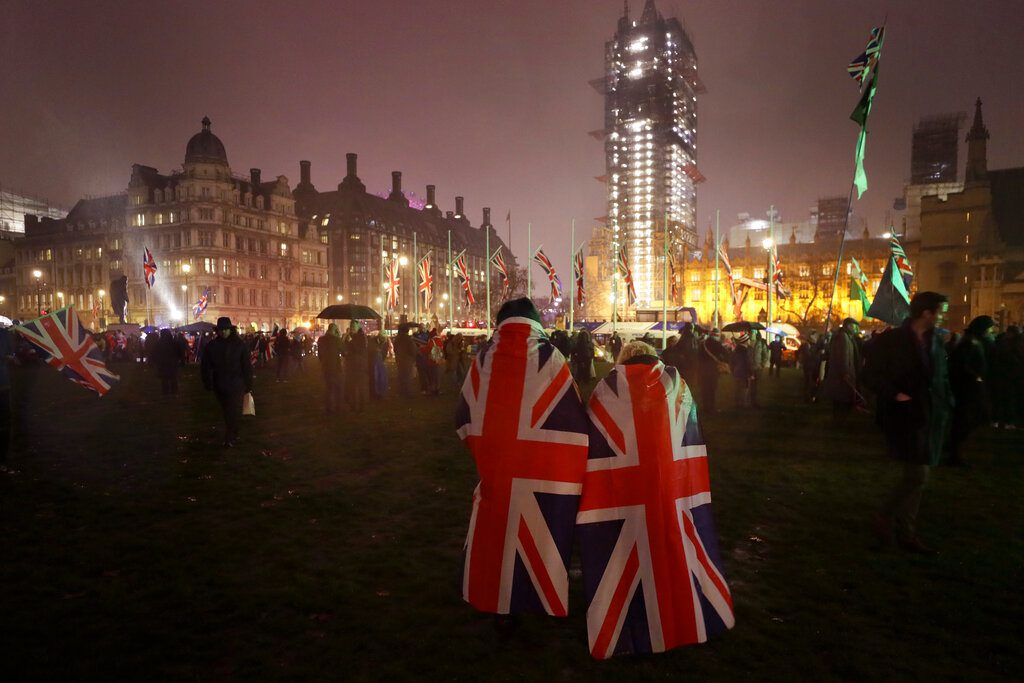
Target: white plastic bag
{"points": [[248, 405]]}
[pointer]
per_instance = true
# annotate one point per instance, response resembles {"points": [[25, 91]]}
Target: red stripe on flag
{"points": [[540, 571], [541, 406], [601, 413], [603, 644]]}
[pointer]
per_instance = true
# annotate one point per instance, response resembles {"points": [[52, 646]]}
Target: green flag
{"points": [[859, 285], [860, 117]]}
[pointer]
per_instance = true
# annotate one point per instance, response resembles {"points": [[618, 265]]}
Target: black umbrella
{"points": [[349, 312], [742, 326], [201, 326]]}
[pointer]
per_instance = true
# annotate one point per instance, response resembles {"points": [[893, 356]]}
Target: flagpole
{"points": [[839, 257], [770, 282], [529, 261], [487, 271], [416, 280], [572, 268], [664, 286], [451, 299], [718, 247]]}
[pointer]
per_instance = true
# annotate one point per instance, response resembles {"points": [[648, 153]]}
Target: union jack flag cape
{"points": [[199, 307], [622, 263], [499, 262], [426, 281], [67, 346], [463, 271], [149, 266], [529, 440], [577, 271], [392, 284], [549, 269], [651, 567]]}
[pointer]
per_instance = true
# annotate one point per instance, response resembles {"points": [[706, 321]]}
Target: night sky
{"points": [[489, 99]]}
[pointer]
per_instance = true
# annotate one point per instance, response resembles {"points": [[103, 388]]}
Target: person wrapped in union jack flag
{"points": [[651, 567], [522, 418]]}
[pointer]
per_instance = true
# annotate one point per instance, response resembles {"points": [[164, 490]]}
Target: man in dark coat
{"points": [[356, 350], [775, 350], [328, 351], [741, 364], [227, 371], [842, 379], [968, 375], [405, 358], [282, 352], [809, 357], [167, 358], [713, 360], [582, 357], [908, 373]]}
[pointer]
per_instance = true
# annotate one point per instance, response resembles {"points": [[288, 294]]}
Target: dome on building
{"points": [[205, 147]]}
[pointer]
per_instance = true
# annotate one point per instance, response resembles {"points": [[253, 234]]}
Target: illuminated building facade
{"points": [[650, 134]]}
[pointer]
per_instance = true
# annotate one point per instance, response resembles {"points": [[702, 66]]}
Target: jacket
{"points": [[226, 366], [842, 378], [915, 429]]}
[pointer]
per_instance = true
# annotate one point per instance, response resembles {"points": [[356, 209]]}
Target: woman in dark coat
{"points": [[968, 375], [356, 372], [582, 357], [329, 353]]}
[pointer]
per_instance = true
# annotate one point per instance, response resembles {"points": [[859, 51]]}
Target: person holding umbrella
{"points": [[357, 376], [329, 354]]}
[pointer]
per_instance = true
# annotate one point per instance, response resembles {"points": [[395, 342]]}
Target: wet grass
{"points": [[134, 546]]}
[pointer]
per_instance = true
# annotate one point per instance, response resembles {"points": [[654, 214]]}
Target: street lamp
{"points": [[340, 297], [186, 269], [60, 298], [37, 274]]}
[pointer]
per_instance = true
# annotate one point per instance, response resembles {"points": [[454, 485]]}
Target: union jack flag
{"points": [[149, 266], [67, 346], [724, 259], [577, 271], [463, 272], [549, 269], [529, 440], [499, 262], [622, 264], [902, 262], [426, 280], [394, 281], [199, 307], [651, 567], [859, 67], [777, 275]]}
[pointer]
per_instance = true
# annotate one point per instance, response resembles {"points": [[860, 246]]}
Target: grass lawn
{"points": [[135, 547]]}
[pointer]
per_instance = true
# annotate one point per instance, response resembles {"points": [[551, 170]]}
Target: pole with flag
{"points": [[718, 248], [770, 281], [383, 275], [415, 291], [149, 268], [664, 287], [451, 299], [529, 266], [863, 69], [572, 260], [487, 271]]}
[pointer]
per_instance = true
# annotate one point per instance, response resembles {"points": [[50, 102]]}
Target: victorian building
{"points": [[237, 240]]}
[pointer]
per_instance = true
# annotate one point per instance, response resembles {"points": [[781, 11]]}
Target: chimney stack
{"points": [[304, 172], [430, 197], [351, 180], [487, 217], [396, 189], [459, 213], [254, 175], [449, 215]]}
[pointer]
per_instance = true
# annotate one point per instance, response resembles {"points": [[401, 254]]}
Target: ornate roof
{"points": [[205, 148]]}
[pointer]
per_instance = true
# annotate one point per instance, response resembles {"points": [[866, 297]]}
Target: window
{"points": [[225, 239], [695, 276], [206, 238], [758, 273], [252, 271], [826, 269], [206, 214], [239, 243], [263, 271], [205, 192], [284, 250], [805, 271], [324, 239], [225, 267], [210, 266], [227, 295], [695, 295]]}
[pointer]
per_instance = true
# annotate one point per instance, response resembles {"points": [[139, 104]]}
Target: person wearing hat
{"points": [[843, 372], [226, 370], [968, 376], [712, 361]]}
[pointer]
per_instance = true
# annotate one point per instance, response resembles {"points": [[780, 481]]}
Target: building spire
{"points": [[650, 13], [977, 152]]}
